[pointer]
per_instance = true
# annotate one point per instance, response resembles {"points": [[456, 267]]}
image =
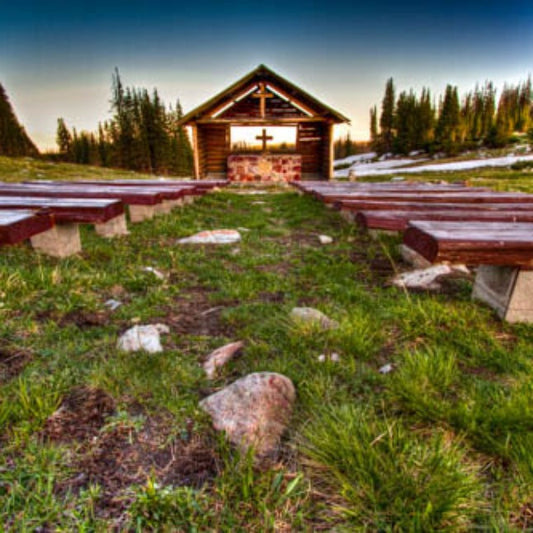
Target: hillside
{"points": [[14, 140], [95, 439]]}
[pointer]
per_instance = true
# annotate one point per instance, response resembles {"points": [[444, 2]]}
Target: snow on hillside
{"points": [[380, 168]]}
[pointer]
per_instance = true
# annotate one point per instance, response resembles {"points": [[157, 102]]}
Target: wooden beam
{"points": [[196, 148], [262, 121]]}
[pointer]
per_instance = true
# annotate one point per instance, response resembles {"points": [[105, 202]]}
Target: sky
{"points": [[57, 58]]}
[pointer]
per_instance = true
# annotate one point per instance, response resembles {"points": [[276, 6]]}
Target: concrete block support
{"points": [[508, 290], [60, 241], [171, 204], [112, 228], [138, 213]]}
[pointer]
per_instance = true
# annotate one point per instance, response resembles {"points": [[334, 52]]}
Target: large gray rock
{"points": [[312, 317], [253, 411]]}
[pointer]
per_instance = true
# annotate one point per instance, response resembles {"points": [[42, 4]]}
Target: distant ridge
{"points": [[14, 140]]}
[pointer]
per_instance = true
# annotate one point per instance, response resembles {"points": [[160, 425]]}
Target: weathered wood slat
{"points": [[435, 197], [371, 205], [399, 220], [66, 210], [477, 243], [18, 225], [130, 196]]}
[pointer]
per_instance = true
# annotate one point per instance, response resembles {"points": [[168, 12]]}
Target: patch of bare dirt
{"points": [[12, 362], [120, 457], [84, 319], [191, 313], [272, 297], [81, 415]]}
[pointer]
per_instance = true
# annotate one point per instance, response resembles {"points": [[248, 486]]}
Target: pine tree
{"points": [[63, 139], [448, 129], [14, 140], [386, 121], [374, 139]]}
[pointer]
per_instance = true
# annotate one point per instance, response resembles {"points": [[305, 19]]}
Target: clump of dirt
{"points": [[120, 457], [12, 362], [84, 319], [272, 297], [81, 415], [191, 313]]}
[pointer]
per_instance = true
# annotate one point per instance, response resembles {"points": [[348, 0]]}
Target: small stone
{"points": [[308, 315], [413, 258], [385, 369], [235, 251], [325, 239], [218, 236], [427, 278], [155, 272], [220, 357], [112, 304], [322, 358], [335, 357], [253, 411], [145, 338]]}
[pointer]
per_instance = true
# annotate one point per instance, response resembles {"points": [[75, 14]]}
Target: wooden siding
{"points": [[213, 145]]}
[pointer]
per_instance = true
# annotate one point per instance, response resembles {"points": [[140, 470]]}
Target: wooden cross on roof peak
{"points": [[262, 94]]}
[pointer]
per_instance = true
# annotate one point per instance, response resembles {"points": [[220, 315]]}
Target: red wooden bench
{"points": [[142, 204], [63, 239], [18, 225], [504, 250], [397, 220]]}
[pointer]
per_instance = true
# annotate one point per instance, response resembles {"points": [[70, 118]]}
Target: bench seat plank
{"points": [[474, 243], [367, 205], [18, 225], [437, 197], [130, 196], [67, 210], [396, 220]]}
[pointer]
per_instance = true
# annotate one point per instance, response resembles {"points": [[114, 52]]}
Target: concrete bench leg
{"points": [[62, 240], [169, 205], [113, 227], [508, 290], [188, 199], [138, 213]]}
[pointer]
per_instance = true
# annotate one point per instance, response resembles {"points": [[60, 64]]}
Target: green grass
{"points": [[444, 442]]}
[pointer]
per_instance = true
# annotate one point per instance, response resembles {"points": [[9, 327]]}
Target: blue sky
{"points": [[57, 58]]}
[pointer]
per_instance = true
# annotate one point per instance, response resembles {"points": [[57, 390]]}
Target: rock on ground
{"points": [[325, 239], [220, 357], [308, 315], [253, 411], [217, 236], [413, 258], [145, 338], [427, 278]]}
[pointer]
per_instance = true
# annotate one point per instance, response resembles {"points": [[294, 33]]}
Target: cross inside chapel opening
{"points": [[264, 137], [262, 94]]}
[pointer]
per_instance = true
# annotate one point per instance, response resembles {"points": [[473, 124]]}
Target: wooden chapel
{"points": [[263, 99]]}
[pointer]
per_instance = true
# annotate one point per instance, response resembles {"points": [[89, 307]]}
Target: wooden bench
{"points": [[142, 204], [458, 196], [63, 239], [397, 220], [19, 225], [504, 252], [172, 195]]}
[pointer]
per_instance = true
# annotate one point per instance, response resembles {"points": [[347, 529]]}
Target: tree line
{"points": [[142, 135], [14, 140], [411, 122]]}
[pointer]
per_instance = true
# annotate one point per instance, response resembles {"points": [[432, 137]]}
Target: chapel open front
{"points": [[263, 103]]}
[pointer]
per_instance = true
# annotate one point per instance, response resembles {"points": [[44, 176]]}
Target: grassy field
{"points": [[443, 442]]}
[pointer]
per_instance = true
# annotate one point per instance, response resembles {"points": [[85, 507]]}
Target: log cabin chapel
{"points": [[261, 105]]}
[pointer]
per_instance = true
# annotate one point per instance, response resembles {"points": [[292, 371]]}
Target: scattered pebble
{"points": [[308, 315], [217, 236], [334, 357], [385, 369], [220, 357], [427, 278], [145, 338], [112, 304], [155, 272], [325, 239]]}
